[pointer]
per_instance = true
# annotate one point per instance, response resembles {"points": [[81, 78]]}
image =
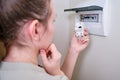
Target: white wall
{"points": [[61, 37], [101, 60]]}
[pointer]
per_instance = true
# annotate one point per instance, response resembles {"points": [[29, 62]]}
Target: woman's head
{"points": [[26, 22]]}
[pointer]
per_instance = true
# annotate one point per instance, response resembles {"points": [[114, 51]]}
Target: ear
{"points": [[36, 30]]}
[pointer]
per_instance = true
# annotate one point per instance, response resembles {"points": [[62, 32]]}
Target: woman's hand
{"points": [[51, 60], [79, 44]]}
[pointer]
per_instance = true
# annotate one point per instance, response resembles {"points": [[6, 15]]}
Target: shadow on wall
{"points": [[2, 51]]}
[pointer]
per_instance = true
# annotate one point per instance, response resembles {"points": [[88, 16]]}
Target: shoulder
{"points": [[23, 71]]}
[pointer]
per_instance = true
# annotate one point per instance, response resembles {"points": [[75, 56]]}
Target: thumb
{"points": [[43, 55]]}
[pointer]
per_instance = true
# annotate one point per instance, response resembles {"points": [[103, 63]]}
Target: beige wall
{"points": [[101, 60], [61, 37]]}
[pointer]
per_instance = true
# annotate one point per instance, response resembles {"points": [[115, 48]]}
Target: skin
{"points": [[76, 47], [37, 40]]}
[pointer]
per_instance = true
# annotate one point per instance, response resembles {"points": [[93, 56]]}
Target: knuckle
{"points": [[53, 46], [59, 56]]}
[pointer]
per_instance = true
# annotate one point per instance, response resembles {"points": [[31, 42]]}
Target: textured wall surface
{"points": [[101, 60]]}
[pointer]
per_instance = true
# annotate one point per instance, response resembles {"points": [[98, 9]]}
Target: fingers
{"points": [[51, 53], [52, 48], [54, 52], [51, 60], [86, 32], [85, 38], [82, 40], [44, 57]]}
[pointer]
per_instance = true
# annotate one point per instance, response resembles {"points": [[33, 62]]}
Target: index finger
{"points": [[52, 48]]}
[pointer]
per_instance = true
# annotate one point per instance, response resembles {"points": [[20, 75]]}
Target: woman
{"points": [[26, 28]]}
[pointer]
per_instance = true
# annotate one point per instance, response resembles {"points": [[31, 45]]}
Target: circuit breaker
{"points": [[89, 17], [94, 15]]}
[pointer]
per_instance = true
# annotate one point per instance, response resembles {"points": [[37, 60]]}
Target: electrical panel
{"points": [[94, 15]]}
